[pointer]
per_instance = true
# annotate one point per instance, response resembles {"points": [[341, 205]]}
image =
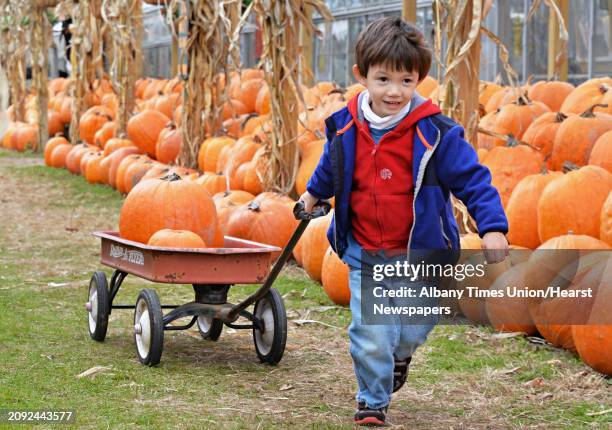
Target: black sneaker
{"points": [[400, 373], [365, 416]]}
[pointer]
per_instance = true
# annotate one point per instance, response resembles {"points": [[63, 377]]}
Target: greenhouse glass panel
{"points": [[537, 44], [578, 47], [602, 38]]}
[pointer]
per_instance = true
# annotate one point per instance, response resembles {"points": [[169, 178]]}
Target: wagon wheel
{"points": [[270, 342], [148, 328], [98, 306], [210, 328]]}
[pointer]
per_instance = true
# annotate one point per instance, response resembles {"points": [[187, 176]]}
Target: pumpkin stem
{"points": [[544, 170], [589, 112], [171, 177], [568, 166], [560, 117], [254, 206]]}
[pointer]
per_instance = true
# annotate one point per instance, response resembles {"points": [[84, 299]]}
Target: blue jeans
{"points": [[374, 348]]}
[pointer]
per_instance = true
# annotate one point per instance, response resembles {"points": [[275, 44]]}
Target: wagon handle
{"points": [[322, 208]]}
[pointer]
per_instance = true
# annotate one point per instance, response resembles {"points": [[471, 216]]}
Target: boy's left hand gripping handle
{"points": [[322, 208]]}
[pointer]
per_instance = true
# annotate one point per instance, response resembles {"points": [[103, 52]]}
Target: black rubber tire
{"points": [[273, 307], [156, 324], [100, 321], [213, 331]]}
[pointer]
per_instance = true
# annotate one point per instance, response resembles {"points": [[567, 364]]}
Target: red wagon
{"points": [[211, 272]]}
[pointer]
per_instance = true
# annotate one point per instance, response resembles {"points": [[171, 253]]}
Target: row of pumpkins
{"points": [[541, 206]]}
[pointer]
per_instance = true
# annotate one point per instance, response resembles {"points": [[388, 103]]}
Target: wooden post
{"points": [[554, 43], [409, 10]]}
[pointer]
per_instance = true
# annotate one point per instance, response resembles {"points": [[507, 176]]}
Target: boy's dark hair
{"points": [[395, 43]]}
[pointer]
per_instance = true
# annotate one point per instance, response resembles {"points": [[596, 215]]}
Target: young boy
{"points": [[392, 161]]}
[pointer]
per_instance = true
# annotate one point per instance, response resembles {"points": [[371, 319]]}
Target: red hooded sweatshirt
{"points": [[382, 193]]}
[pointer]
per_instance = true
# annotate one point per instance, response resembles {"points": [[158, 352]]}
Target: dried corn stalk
{"points": [[41, 33], [461, 22], [13, 47], [563, 36], [121, 18], [86, 56], [208, 40], [281, 22]]}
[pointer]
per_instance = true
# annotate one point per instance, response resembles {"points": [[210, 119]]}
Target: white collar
{"points": [[378, 122]]}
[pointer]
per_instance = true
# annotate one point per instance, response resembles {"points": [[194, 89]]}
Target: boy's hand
{"points": [[309, 201], [495, 247]]}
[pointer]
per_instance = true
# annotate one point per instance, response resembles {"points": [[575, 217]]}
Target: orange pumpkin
{"points": [[577, 135], [168, 238], [168, 144], [106, 132], [248, 92], [335, 278], [209, 152], [213, 182], [93, 173], [509, 164], [226, 202], [144, 128], [24, 137], [551, 93], [586, 95], [594, 340], [169, 202], [541, 133], [313, 245], [73, 159], [514, 118], [601, 154], [58, 155], [269, 221], [262, 102], [522, 207], [116, 158], [51, 145], [91, 121], [559, 212], [507, 313], [115, 143], [233, 108], [54, 123]]}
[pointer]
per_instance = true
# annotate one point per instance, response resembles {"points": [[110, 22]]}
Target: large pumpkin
{"points": [[264, 220], [228, 201], [313, 245], [213, 182], [514, 119], [586, 94], [58, 155], [509, 164], [522, 209], [601, 154], [555, 316], [144, 128], [105, 133], [169, 202], [594, 340], [335, 278], [551, 93], [169, 238], [508, 313], [573, 203], [577, 135]]}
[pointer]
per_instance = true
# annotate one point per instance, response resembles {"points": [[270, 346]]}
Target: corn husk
{"points": [[13, 48], [121, 19], [282, 21]]}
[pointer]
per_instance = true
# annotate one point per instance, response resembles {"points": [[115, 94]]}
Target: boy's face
{"points": [[390, 90]]}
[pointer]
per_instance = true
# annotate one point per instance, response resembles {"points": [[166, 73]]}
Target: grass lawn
{"points": [[463, 377]]}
